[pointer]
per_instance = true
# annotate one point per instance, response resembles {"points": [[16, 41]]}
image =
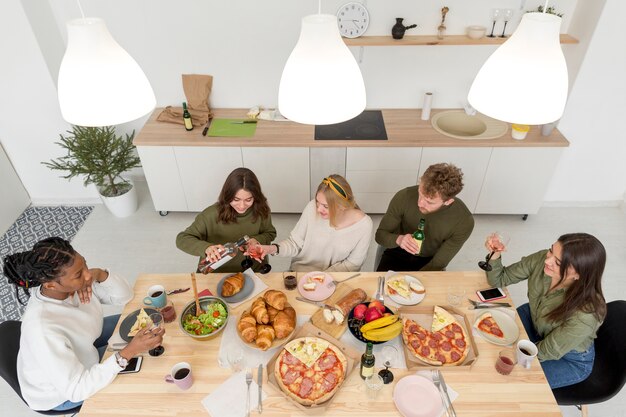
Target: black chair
{"points": [[609, 368], [10, 332]]}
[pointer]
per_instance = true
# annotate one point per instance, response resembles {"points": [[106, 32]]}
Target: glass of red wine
{"points": [[157, 322], [497, 242], [255, 252]]}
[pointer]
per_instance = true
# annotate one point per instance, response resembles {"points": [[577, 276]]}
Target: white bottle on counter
{"points": [[428, 101]]}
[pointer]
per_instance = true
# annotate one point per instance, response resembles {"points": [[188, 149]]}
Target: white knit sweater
{"points": [[57, 360], [316, 246]]}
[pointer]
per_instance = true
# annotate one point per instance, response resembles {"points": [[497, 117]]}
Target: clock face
{"points": [[353, 19]]}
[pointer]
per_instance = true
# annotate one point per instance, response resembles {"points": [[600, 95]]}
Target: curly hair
{"points": [[241, 179], [443, 179], [43, 263]]}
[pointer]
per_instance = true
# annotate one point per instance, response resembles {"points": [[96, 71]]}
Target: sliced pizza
{"points": [[307, 349], [487, 324], [399, 285], [441, 319], [143, 321]]}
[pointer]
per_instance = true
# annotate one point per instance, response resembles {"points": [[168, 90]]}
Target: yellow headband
{"points": [[334, 185]]}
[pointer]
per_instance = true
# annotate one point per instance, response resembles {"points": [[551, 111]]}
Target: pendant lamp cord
{"points": [[80, 8], [545, 7]]}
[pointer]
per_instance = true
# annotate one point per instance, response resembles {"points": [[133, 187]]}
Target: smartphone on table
{"points": [[490, 294], [134, 365]]}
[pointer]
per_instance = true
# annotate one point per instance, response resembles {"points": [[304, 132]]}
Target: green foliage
{"points": [[549, 10], [100, 156]]}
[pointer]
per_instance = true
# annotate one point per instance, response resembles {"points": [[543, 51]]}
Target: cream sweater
{"points": [[316, 246], [57, 360]]}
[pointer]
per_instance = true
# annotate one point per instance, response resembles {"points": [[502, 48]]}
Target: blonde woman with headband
{"points": [[333, 233]]}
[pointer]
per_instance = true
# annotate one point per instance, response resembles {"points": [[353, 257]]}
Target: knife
{"points": [[243, 122], [260, 383], [444, 387], [317, 303], [499, 305], [206, 127]]}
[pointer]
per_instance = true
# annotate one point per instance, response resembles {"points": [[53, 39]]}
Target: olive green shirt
{"points": [[445, 232], [575, 333], [206, 230]]}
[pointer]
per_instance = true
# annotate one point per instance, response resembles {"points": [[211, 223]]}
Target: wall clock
{"points": [[353, 19]]}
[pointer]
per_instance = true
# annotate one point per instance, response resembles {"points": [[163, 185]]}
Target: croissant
{"points": [[276, 299], [290, 312], [283, 325], [232, 285], [271, 312], [247, 327], [259, 311], [265, 336]]}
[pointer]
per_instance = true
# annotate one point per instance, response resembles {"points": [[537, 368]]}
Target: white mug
{"points": [[526, 352]]}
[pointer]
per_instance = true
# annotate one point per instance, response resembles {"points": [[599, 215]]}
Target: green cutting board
{"points": [[227, 127]]}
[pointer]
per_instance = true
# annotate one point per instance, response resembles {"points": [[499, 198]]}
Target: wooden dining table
{"points": [[482, 391]]}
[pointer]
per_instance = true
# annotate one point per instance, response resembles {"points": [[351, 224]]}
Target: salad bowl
{"points": [[208, 324]]}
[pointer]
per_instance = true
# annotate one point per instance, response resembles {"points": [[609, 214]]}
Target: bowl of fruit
{"points": [[374, 322]]}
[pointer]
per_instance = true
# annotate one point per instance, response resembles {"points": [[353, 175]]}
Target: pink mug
{"points": [[180, 376]]}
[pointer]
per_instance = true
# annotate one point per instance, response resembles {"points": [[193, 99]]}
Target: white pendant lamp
{"points": [[321, 82], [100, 84], [525, 80]]}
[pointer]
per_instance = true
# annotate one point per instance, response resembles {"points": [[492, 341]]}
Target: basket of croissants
{"points": [[269, 320]]}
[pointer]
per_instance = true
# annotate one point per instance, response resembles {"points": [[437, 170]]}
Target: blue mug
{"points": [[157, 297]]}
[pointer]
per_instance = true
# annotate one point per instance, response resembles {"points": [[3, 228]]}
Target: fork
{"points": [[487, 303], [248, 382], [380, 296], [443, 391], [332, 283]]}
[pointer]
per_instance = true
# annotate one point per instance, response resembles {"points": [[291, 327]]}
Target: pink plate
{"points": [[416, 396], [321, 291]]}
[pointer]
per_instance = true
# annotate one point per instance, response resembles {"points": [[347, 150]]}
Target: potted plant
{"points": [[101, 157]]}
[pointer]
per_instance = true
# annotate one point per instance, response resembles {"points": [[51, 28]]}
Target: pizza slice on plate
{"points": [[143, 321], [487, 324]]}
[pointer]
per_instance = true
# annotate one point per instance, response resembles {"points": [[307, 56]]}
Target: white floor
{"points": [[144, 242]]}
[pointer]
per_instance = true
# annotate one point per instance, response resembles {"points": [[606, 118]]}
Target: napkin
{"points": [[259, 286], [478, 313], [229, 399], [251, 357], [451, 392]]}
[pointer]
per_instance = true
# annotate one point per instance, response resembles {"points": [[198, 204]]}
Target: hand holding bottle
{"points": [[407, 243], [214, 252]]}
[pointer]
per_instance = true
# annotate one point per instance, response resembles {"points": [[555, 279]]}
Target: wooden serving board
{"points": [[333, 329]]}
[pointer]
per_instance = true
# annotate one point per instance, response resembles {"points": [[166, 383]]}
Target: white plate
{"points": [[417, 396], [506, 323], [415, 298]]}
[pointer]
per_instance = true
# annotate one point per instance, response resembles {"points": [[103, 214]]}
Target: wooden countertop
{"points": [[482, 391], [404, 129]]}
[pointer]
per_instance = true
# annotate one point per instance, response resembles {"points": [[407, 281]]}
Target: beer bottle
{"points": [[419, 235]]}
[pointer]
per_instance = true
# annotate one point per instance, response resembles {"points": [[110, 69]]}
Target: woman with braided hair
{"points": [[64, 334]]}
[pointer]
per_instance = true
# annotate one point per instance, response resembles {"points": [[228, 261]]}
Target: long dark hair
{"points": [[42, 264], [587, 256], [241, 179]]}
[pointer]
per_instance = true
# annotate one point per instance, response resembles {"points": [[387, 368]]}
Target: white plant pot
{"points": [[123, 205]]}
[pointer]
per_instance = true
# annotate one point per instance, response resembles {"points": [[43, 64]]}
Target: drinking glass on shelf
{"points": [[157, 322], [388, 355], [496, 14], [506, 15], [497, 242]]}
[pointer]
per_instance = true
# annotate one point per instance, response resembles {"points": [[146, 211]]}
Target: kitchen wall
{"points": [[244, 45]]}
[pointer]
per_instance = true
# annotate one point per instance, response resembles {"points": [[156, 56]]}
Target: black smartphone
{"points": [[491, 294], [134, 365]]}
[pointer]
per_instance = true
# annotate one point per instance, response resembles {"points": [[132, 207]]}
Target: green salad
{"points": [[213, 318]]}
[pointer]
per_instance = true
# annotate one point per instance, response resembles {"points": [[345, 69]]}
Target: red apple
{"points": [[371, 314], [378, 305], [359, 311]]}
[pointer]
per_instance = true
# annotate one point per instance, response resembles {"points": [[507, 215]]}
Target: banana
{"points": [[378, 323], [383, 334]]}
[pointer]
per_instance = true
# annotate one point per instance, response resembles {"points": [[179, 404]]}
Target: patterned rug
{"points": [[34, 224]]}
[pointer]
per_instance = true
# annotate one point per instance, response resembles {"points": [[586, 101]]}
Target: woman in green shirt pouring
{"points": [[565, 303]]}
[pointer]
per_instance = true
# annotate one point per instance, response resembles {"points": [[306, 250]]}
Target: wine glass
{"points": [[388, 354], [497, 241], [496, 14], [506, 15], [157, 322]]}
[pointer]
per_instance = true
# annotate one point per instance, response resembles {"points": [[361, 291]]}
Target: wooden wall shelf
{"points": [[432, 40]]}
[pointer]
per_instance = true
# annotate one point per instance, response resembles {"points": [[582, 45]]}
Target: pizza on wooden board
{"points": [[310, 370], [487, 324], [446, 343]]}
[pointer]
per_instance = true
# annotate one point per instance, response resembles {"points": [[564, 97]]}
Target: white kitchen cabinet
{"points": [[472, 161], [203, 171], [516, 180], [161, 170], [283, 174], [376, 174]]}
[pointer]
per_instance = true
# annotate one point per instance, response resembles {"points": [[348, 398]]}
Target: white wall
{"points": [[244, 45]]}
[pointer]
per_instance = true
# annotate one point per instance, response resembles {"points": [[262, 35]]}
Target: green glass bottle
{"points": [[419, 236], [367, 361], [187, 118]]}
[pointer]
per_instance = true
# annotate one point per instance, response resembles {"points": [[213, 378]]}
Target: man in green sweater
{"points": [[448, 222]]}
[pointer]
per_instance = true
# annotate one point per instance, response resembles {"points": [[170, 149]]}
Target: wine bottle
{"points": [[367, 361], [419, 236], [228, 253], [187, 118]]}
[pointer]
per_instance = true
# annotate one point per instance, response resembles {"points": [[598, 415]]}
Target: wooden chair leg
{"points": [[583, 410]]}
